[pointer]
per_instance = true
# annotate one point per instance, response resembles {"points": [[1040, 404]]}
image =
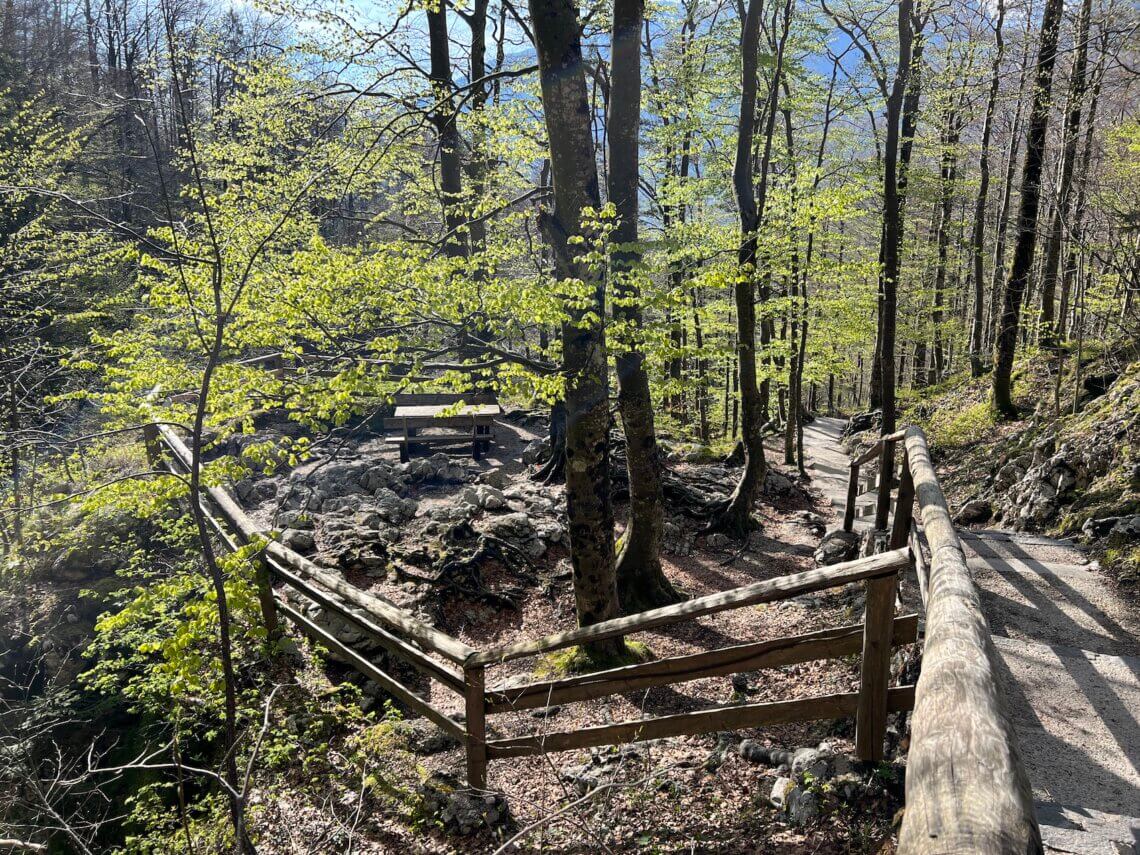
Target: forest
{"points": [[334, 332]]}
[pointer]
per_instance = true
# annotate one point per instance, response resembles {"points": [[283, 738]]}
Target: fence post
{"points": [[874, 674], [150, 440], [476, 709], [268, 603], [886, 478], [904, 506], [852, 497]]}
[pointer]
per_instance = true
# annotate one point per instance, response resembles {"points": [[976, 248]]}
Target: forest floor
{"points": [[684, 794], [1068, 646]]}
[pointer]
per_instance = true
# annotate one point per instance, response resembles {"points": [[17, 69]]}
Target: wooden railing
{"points": [[462, 670], [966, 788]]}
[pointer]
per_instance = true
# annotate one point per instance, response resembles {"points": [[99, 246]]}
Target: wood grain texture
{"points": [[966, 788], [781, 588], [772, 653], [688, 724], [874, 672]]}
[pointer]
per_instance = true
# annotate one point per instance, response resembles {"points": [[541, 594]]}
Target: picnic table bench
{"points": [[471, 423]]}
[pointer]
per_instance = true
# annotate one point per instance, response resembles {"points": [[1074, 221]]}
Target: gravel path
{"points": [[1070, 666]]}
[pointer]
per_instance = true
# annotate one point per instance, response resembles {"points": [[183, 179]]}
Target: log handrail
{"points": [[966, 788]]}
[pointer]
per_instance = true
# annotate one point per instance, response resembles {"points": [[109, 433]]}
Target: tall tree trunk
{"points": [[978, 236], [750, 200], [447, 133], [948, 175], [1069, 137], [892, 241], [640, 580], [997, 280], [1006, 345], [905, 148], [575, 178], [1082, 190]]}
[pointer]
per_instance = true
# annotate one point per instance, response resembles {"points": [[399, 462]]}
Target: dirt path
{"points": [[1070, 666]]}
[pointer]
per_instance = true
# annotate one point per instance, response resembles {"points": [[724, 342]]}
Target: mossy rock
{"points": [[575, 660]]}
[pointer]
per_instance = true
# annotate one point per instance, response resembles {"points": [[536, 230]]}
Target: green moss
{"points": [[954, 428], [575, 660]]}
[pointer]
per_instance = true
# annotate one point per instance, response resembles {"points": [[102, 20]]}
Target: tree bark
{"points": [[447, 133], [948, 175], [1069, 137], [640, 581], [737, 518], [1006, 345], [978, 236], [575, 179]]}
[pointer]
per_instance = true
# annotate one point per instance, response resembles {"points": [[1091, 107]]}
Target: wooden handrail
{"points": [[966, 788], [784, 587]]}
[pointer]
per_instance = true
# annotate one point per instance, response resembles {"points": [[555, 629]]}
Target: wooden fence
{"points": [[966, 789]]}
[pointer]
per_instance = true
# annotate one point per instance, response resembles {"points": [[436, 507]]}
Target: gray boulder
{"points": [[974, 511], [837, 546]]}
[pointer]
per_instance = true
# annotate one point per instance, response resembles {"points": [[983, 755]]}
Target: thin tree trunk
{"points": [[1069, 139], [750, 200], [447, 133], [1006, 345], [948, 176], [978, 236]]}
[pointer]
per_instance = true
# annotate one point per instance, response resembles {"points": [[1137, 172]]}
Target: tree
{"points": [[641, 582], [1070, 136], [575, 178], [1006, 339], [978, 234]]}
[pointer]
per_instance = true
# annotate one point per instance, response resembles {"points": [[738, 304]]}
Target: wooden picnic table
{"points": [[472, 423]]}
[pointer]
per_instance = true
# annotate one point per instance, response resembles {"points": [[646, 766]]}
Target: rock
{"points": [[341, 504], [837, 546], [425, 738], [1126, 531], [718, 540], [740, 684], [378, 476], [974, 511], [339, 478], [801, 806], [776, 484], [536, 450], [811, 761], [862, 422], [82, 562], [1008, 475], [1099, 527], [254, 492], [483, 496], [584, 777], [299, 540], [462, 811], [297, 520], [498, 478], [392, 508], [780, 791], [514, 527]]}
